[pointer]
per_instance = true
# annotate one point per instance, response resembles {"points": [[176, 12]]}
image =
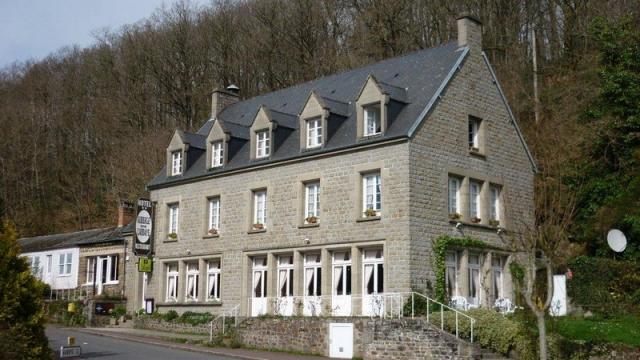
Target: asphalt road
{"points": [[107, 348]]}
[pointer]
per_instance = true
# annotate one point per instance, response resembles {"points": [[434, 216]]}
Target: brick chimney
{"points": [[470, 32], [126, 212], [221, 98]]}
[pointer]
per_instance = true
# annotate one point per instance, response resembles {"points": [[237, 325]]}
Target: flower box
{"points": [[494, 223], [455, 216], [213, 231], [370, 213], [476, 220], [172, 236], [311, 220], [258, 226]]}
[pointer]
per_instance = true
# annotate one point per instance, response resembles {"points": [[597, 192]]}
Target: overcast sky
{"points": [[32, 29]]}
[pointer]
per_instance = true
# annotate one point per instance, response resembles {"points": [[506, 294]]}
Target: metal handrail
{"points": [[456, 311], [230, 312]]}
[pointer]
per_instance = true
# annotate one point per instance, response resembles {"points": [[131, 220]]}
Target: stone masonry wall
{"points": [[172, 326]]}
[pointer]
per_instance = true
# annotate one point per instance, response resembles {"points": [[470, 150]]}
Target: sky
{"points": [[32, 29]]}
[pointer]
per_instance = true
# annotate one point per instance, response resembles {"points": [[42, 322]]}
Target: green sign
{"points": [[145, 264]]}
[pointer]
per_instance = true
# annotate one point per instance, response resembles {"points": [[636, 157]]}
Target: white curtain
{"points": [[172, 287], [190, 285], [309, 275], [368, 276], [337, 273], [282, 280], [212, 286], [257, 285]]}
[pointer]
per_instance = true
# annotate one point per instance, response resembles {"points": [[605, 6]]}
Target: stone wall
{"points": [[149, 323]]}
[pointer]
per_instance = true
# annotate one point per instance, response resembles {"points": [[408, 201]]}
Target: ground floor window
{"points": [[342, 273], [285, 275], [474, 279], [260, 277], [312, 275], [497, 265], [172, 282], [213, 280], [373, 264], [193, 274], [451, 273]]}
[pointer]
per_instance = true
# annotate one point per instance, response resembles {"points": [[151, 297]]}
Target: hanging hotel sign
{"points": [[145, 264], [142, 244]]}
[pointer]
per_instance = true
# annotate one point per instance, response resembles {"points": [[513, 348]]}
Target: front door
{"points": [[259, 291], [373, 303], [341, 296], [341, 340], [284, 303], [101, 274]]}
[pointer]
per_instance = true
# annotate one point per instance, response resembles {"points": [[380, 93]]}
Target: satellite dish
{"points": [[616, 240]]}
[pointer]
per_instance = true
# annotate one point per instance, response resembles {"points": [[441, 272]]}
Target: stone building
{"points": [[327, 197]]}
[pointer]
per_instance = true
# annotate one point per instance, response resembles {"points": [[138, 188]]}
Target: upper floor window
{"points": [[217, 154], [314, 132], [454, 197], [174, 219], [495, 203], [262, 144], [372, 123], [371, 194], [312, 202], [65, 260], [474, 134], [474, 200], [214, 215], [176, 163], [259, 209]]}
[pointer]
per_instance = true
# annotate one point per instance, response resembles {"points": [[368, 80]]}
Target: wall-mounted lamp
{"points": [[458, 225]]}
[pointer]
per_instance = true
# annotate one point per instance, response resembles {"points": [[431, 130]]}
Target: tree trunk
{"points": [[542, 337]]}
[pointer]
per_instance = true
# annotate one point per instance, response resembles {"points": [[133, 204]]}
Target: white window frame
{"points": [[174, 218], [112, 269], [214, 213], [176, 163], [474, 133], [259, 267], [192, 278], [475, 268], [312, 200], [285, 275], [263, 146], [475, 190], [345, 273], [314, 132], [91, 269], [213, 280], [372, 119], [372, 193], [36, 270], [497, 277], [49, 264], [65, 263], [495, 202], [217, 153], [376, 263], [454, 195], [451, 268], [260, 207], [172, 274], [312, 275]]}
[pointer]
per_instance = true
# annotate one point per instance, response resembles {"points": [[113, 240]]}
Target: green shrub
{"points": [[494, 331], [170, 315], [194, 318], [119, 311]]}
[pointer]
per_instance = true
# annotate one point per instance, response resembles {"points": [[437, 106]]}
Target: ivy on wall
{"points": [[440, 247]]}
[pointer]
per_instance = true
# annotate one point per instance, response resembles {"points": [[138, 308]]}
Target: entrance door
{"points": [[284, 303], [101, 273], [373, 283], [341, 296], [341, 340], [259, 292]]}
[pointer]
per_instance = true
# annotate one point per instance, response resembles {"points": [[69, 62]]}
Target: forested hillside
{"points": [[84, 128]]}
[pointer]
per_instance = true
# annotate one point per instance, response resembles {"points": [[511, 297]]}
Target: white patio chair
{"points": [[459, 303], [504, 306]]}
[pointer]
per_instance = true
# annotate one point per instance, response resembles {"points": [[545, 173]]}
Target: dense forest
{"points": [[86, 127]]}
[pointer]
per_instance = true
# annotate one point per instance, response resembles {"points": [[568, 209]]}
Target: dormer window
{"points": [[262, 144], [176, 163], [217, 154], [314, 132], [372, 123]]}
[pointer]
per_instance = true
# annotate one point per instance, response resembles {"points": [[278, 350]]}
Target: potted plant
{"points": [[213, 231], [455, 216], [494, 222], [258, 226], [311, 220], [474, 150], [370, 213], [172, 236], [476, 220]]}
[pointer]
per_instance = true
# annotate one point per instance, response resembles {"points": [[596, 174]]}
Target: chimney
{"points": [[126, 211], [470, 32], [221, 98]]}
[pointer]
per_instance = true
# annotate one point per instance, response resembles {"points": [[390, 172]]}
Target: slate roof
{"points": [[74, 239], [412, 80]]}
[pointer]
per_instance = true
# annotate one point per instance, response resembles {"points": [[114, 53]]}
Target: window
{"points": [[474, 200], [373, 265], [174, 214], [91, 270], [314, 132], [474, 279], [474, 131], [35, 266], [113, 268], [217, 154], [497, 265], [454, 196], [371, 195], [176, 163], [260, 208], [49, 264], [372, 123], [342, 273], [64, 263], [312, 202], [260, 277], [172, 282], [285, 275], [312, 275], [495, 202], [214, 214], [213, 280], [451, 273], [262, 144], [193, 273]]}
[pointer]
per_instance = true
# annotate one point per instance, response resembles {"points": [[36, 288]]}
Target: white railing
{"points": [[233, 312], [435, 303]]}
